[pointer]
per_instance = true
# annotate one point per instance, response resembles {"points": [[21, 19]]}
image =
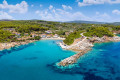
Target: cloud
{"points": [[93, 2], [41, 5], [32, 5], [37, 12], [18, 8], [104, 17], [51, 6], [77, 0], [52, 14], [116, 12], [4, 15], [63, 15], [82, 4], [60, 14], [97, 13], [66, 7]]}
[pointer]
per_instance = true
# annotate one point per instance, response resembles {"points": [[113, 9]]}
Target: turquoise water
{"points": [[118, 35], [36, 61]]}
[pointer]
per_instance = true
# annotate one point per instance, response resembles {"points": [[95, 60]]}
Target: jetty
{"points": [[73, 59]]}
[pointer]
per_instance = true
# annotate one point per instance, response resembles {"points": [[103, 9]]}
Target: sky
{"points": [[61, 10]]}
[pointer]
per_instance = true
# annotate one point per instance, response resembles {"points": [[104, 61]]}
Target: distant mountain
{"points": [[86, 22], [34, 19], [6, 20], [76, 21], [115, 23]]}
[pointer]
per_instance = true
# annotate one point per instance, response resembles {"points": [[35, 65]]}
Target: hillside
{"points": [[86, 22]]}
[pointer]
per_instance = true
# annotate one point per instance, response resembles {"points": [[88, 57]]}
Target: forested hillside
{"points": [[60, 28]]}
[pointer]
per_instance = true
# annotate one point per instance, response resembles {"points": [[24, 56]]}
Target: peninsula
{"points": [[85, 43]]}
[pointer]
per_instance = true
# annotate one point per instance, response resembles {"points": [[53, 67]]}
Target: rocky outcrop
{"points": [[73, 59], [83, 46], [104, 39]]}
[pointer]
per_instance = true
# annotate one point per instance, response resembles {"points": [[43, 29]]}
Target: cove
{"points": [[31, 62], [37, 62]]}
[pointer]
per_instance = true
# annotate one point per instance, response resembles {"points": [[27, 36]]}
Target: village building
{"points": [[49, 36], [56, 36], [34, 35], [18, 35], [43, 35], [9, 29], [26, 34], [48, 31]]}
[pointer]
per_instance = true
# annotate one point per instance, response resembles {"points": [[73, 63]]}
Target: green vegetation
{"points": [[70, 38], [40, 26], [61, 33], [6, 36], [35, 38], [98, 31], [28, 29]]}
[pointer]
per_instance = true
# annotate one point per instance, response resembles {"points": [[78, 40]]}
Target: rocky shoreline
{"points": [[73, 59], [82, 46], [13, 44]]}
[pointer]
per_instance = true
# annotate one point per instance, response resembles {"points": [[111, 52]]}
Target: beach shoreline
{"points": [[13, 44], [9, 45], [81, 47], [52, 38]]}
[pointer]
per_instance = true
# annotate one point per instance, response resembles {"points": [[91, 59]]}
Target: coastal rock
{"points": [[72, 59], [83, 46]]}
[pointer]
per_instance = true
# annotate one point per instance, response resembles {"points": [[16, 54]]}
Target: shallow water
{"points": [[37, 62], [118, 35]]}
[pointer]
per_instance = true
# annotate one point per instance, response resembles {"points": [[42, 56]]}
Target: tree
{"points": [[37, 37], [98, 31], [70, 38]]}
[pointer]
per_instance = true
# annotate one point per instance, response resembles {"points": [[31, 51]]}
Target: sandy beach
{"points": [[53, 38], [13, 44]]}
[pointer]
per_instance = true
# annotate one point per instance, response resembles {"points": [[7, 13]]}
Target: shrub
{"points": [[6, 36], [70, 38], [98, 31], [37, 38]]}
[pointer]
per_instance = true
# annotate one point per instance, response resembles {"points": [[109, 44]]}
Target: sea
{"points": [[38, 61]]}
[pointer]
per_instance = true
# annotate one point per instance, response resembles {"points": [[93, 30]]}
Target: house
{"points": [[49, 36], [26, 34], [33, 35], [18, 35], [71, 31], [10, 29], [43, 35], [56, 36], [48, 32]]}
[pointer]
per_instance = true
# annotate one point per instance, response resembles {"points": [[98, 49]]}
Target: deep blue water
{"points": [[37, 62]]}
